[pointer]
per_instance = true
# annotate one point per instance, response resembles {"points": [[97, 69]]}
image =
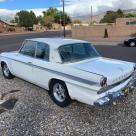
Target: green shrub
{"points": [[11, 29], [133, 35]]}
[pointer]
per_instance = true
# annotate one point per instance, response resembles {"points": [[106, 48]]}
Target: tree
{"points": [[53, 15], [129, 15], [50, 12], [40, 20], [48, 17], [59, 18], [77, 21], [13, 21], [48, 21], [25, 18], [33, 17], [120, 13], [111, 16]]}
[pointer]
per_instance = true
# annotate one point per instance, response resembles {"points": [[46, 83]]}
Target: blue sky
{"points": [[28, 4], [73, 7]]}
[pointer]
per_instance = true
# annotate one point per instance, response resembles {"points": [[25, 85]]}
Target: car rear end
{"points": [[111, 93], [130, 42]]}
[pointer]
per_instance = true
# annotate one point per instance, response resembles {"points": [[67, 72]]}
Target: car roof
{"points": [[57, 42]]}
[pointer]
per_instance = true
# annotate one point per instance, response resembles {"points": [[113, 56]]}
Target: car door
{"points": [[42, 65], [23, 64]]}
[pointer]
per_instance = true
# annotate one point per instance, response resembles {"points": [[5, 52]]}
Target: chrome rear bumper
{"points": [[109, 98]]}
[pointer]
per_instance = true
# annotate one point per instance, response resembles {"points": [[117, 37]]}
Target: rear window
{"points": [[77, 52]]}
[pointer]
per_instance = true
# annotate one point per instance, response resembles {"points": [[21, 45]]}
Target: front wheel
{"points": [[59, 93], [132, 44], [6, 72]]}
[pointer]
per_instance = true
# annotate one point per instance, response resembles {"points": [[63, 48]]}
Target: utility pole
{"points": [[64, 23], [91, 15], [60, 25]]}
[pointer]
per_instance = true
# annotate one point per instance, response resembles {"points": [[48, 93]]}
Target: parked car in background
{"points": [[71, 70], [131, 42], [28, 29]]}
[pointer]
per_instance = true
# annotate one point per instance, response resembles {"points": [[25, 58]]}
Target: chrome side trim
{"points": [[59, 73]]}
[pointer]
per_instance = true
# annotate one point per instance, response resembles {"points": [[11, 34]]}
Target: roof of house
{"points": [[4, 22], [7, 23]]}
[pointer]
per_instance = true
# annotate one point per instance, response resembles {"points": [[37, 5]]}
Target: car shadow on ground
{"points": [[35, 114]]}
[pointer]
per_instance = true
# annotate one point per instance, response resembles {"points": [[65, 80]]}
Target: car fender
{"points": [[8, 62]]}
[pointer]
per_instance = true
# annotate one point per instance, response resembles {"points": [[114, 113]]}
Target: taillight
{"points": [[103, 82]]}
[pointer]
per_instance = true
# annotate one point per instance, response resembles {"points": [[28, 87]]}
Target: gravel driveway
{"points": [[36, 115]]}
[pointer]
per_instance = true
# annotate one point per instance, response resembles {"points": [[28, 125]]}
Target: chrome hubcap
{"points": [[59, 92], [132, 44], [6, 70]]}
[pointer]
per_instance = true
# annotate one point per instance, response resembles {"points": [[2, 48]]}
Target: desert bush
{"points": [[11, 29], [133, 35]]}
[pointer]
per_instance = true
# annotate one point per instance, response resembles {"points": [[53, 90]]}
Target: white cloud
{"points": [[38, 11], [6, 12], [82, 7], [11, 13]]}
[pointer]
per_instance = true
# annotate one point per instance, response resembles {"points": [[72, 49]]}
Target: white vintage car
{"points": [[71, 70]]}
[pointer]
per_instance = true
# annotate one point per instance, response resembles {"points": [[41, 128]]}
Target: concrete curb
{"points": [[107, 43], [6, 34]]}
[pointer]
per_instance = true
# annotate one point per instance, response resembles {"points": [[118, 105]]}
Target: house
{"points": [[56, 26], [38, 27], [126, 21], [3, 26]]}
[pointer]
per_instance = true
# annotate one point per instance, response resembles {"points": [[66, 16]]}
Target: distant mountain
{"points": [[130, 11], [87, 18], [6, 18], [97, 18]]}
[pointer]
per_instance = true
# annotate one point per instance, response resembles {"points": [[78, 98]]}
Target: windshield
{"points": [[77, 52]]}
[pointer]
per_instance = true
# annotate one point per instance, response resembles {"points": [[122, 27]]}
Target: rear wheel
{"points": [[132, 44], [59, 93], [6, 72]]}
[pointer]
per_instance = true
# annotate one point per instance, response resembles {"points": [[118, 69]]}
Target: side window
{"points": [[28, 48], [42, 51]]}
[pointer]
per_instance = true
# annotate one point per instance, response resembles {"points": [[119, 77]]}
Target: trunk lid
{"points": [[114, 70]]}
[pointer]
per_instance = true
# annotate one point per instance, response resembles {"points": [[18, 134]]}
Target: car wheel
{"points": [[59, 93], [132, 44], [6, 72]]}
